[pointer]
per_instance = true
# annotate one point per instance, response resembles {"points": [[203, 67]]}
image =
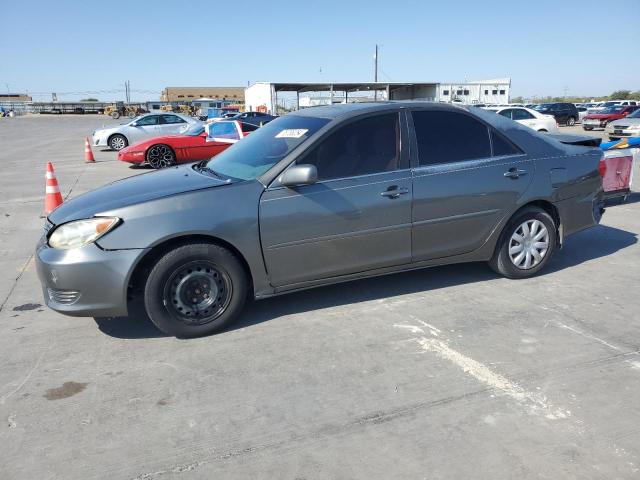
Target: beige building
{"points": [[178, 94]]}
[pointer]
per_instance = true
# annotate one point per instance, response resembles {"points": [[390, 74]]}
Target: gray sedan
{"points": [[319, 196]]}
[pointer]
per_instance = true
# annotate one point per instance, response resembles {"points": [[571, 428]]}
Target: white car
{"points": [[142, 128], [611, 103], [529, 118]]}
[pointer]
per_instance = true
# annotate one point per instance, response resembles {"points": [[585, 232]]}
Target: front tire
{"points": [[588, 128], [161, 156], [196, 289], [117, 142], [526, 244], [571, 121]]}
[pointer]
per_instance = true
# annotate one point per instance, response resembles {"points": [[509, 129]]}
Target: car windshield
{"points": [[635, 114], [257, 153], [612, 109], [193, 130], [609, 104], [544, 106]]}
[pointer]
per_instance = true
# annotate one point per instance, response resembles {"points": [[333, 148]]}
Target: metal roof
{"points": [[344, 87]]}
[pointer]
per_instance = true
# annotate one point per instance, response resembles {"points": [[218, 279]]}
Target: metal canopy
{"points": [[345, 87]]}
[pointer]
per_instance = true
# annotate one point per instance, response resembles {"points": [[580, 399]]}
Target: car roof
{"points": [[345, 110]]}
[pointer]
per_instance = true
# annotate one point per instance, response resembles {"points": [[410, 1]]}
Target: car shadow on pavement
{"points": [[584, 246]]}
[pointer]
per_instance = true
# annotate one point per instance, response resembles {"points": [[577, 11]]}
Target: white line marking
{"points": [[535, 402]]}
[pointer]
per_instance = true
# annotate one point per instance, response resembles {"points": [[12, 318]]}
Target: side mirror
{"points": [[299, 175], [134, 124]]}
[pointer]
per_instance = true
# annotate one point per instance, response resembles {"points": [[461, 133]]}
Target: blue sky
{"points": [[544, 46]]}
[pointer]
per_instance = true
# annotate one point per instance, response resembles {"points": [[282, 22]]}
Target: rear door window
{"points": [[445, 137], [520, 114]]}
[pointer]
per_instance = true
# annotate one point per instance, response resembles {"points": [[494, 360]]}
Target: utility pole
{"points": [[375, 73]]}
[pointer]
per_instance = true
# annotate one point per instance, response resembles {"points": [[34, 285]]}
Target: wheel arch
{"points": [[120, 134], [144, 264], [542, 204], [170, 147]]}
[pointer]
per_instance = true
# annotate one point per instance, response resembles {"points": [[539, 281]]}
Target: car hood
{"points": [[627, 121], [600, 116], [133, 190]]}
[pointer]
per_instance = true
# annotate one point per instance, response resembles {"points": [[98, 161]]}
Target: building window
{"points": [[466, 92], [494, 92], [501, 92], [486, 92], [180, 96], [445, 93], [190, 96]]}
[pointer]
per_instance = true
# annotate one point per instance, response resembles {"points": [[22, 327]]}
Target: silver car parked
{"points": [[320, 196], [628, 126], [140, 128]]}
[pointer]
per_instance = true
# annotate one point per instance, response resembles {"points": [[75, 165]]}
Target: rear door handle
{"points": [[514, 173], [394, 192]]}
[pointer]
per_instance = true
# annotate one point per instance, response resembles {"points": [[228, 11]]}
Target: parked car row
{"points": [[164, 139], [528, 117]]}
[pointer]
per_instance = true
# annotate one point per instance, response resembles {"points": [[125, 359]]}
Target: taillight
{"points": [[602, 167]]}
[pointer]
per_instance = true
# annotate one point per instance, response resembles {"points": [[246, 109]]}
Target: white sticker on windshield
{"points": [[292, 133]]}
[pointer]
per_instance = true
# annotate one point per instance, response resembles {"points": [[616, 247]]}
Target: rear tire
{"points": [[571, 121], [115, 115], [588, 128], [196, 289], [526, 244]]}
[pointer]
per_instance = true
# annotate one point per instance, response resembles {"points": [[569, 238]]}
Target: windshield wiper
{"points": [[202, 167]]}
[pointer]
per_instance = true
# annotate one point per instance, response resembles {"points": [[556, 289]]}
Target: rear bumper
{"points": [[579, 213], [87, 281]]}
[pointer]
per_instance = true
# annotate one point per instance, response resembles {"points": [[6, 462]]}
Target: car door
{"points": [[143, 128], [523, 117], [466, 178], [171, 124], [357, 216], [218, 136]]}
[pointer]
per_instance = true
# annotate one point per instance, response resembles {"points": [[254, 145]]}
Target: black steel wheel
{"points": [[198, 293], [161, 156], [195, 289]]}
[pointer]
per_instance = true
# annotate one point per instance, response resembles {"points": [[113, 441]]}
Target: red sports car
{"points": [[200, 142], [609, 114]]}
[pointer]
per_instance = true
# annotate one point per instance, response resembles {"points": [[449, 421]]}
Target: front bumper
{"points": [[99, 140], [594, 123], [86, 281], [620, 133], [132, 157]]}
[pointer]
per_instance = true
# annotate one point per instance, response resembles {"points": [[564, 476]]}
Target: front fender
{"points": [[229, 213]]}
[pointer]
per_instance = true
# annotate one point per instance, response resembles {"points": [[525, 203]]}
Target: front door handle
{"points": [[514, 173], [394, 192]]}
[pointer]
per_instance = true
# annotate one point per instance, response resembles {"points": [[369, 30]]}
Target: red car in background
{"points": [[200, 142], [609, 114]]}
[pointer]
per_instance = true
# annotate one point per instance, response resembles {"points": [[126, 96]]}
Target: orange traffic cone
{"points": [[52, 196], [88, 154]]}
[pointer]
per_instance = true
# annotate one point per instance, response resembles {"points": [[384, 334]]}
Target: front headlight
{"points": [[81, 232]]}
